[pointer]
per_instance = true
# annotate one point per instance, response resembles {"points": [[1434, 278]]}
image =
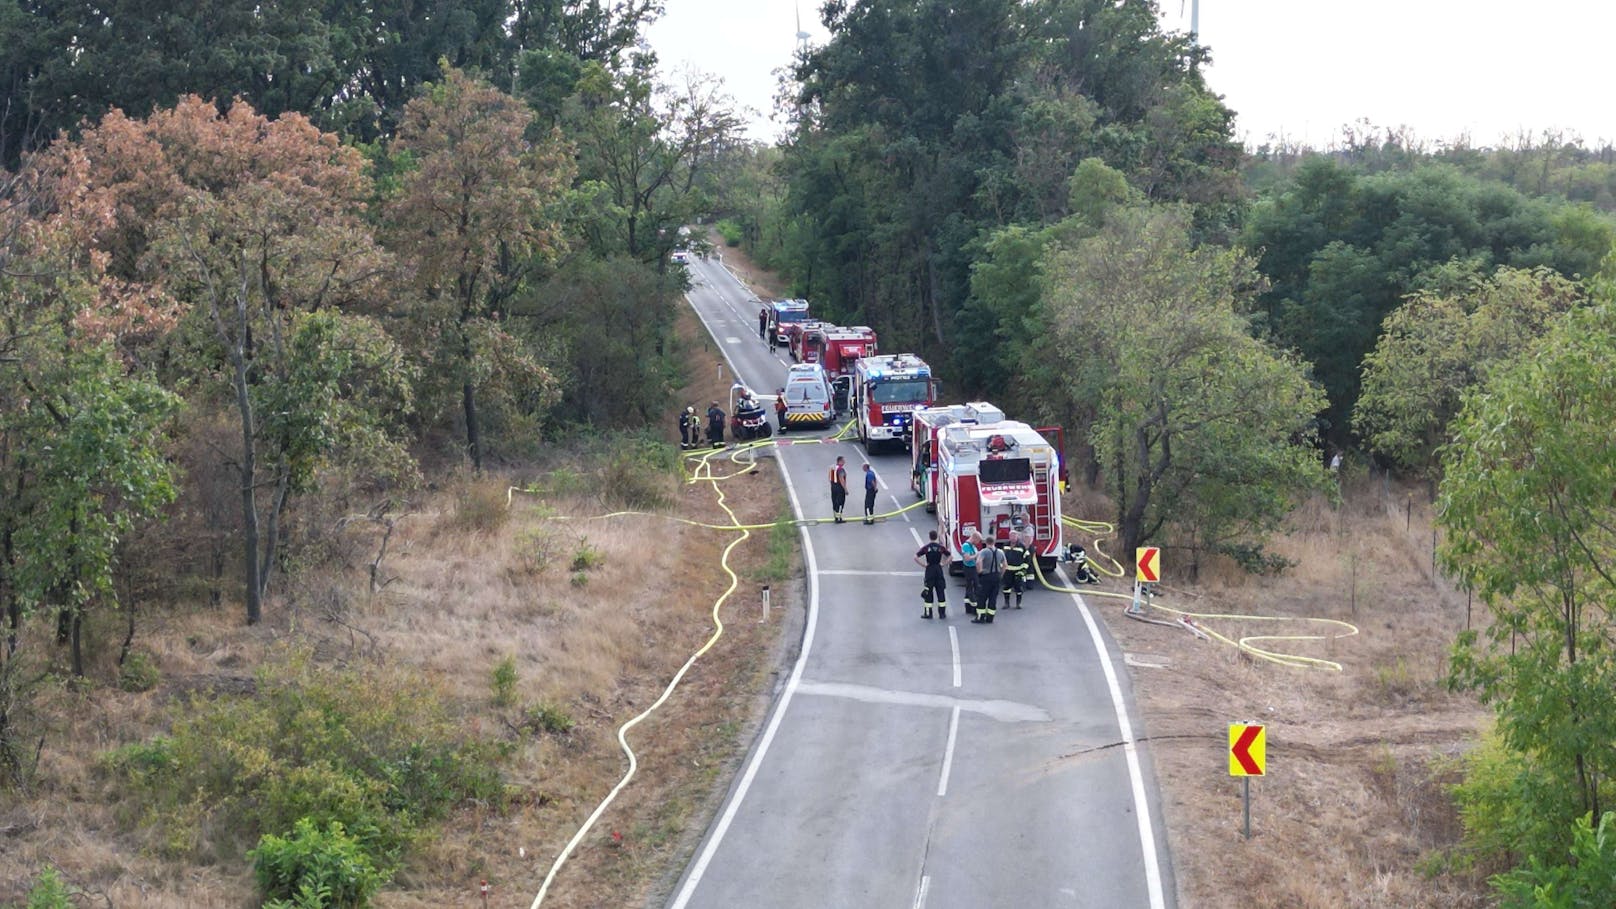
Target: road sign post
{"points": [[1147, 570], [1248, 757]]}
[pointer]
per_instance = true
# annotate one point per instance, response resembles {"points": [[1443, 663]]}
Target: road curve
{"points": [[923, 764]]}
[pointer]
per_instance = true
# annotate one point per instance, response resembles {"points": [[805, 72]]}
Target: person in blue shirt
{"points": [[871, 484], [968, 562]]}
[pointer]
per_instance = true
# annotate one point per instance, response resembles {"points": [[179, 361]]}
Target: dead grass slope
{"points": [[597, 615], [1354, 807]]}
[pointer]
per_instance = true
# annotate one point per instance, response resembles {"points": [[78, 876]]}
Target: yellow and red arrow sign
{"points": [[1148, 560], [1248, 749]]}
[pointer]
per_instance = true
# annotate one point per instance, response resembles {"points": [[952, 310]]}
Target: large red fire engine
{"points": [[927, 424], [1000, 478], [834, 347], [887, 390]]}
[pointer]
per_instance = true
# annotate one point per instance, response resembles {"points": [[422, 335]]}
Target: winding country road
{"points": [[913, 763]]}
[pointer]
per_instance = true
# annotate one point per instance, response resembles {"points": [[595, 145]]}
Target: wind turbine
{"points": [[802, 36]]}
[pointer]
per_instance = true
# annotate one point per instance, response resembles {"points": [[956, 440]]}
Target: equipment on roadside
{"points": [[748, 419]]}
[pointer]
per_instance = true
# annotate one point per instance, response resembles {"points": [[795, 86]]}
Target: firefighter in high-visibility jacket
{"points": [[1017, 568]]}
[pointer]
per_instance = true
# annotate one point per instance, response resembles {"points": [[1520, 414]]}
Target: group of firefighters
{"points": [[690, 429], [990, 570]]}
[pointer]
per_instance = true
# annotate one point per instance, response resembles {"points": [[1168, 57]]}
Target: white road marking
{"points": [[1004, 711], [920, 895], [732, 340], [916, 534], [1136, 777], [948, 752], [953, 643], [699, 867], [782, 362], [899, 505]]}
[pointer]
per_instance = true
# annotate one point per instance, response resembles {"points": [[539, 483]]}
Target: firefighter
{"points": [[763, 324], [989, 574], [1081, 569], [838, 488], [715, 425], [1017, 566], [973, 541], [871, 484], [780, 407], [935, 587], [689, 428]]}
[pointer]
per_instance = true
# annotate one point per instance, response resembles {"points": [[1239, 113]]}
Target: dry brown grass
{"points": [[467, 584], [1358, 761]]}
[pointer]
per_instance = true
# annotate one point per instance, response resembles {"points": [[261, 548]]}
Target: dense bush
{"points": [[374, 751], [641, 472], [315, 868], [1589, 879], [731, 231]]}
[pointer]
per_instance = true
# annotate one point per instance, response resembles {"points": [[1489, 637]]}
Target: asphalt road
{"points": [[913, 763]]}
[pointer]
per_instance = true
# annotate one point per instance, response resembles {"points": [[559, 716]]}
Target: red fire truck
{"points": [[1000, 478], [928, 422], [887, 390], [835, 347]]}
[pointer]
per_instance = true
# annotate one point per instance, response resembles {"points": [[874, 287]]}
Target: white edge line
{"points": [[1136, 777], [920, 895], [953, 643], [948, 752], [699, 867]]}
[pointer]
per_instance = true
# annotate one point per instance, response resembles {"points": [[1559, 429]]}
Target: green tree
{"points": [[476, 216], [1525, 508], [1196, 423], [1437, 345], [252, 224]]}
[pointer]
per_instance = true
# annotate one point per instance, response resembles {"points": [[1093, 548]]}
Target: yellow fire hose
{"points": [[702, 472], [1247, 644]]}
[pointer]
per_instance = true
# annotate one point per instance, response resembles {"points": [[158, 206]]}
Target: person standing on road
{"points": [[989, 571], [1017, 565], [780, 408], [968, 563], [763, 324], [935, 587], [838, 488], [871, 484]]}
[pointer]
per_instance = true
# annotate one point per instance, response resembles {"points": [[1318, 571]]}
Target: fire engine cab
{"points": [[924, 429], [1001, 478], [783, 314], [887, 390]]}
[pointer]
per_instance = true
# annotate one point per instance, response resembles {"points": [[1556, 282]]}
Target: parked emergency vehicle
{"points": [[808, 396], [1000, 478], [887, 390], [835, 347], [924, 429], [782, 315]]}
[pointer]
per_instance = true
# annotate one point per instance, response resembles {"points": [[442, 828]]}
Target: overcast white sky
{"points": [[1299, 69]]}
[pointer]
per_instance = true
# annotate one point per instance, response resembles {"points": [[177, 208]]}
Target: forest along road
{"points": [[913, 763]]}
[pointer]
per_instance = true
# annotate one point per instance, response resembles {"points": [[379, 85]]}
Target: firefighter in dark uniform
{"points": [[989, 575], [689, 428], [715, 425], [763, 324], [838, 488], [1017, 566], [933, 588]]}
